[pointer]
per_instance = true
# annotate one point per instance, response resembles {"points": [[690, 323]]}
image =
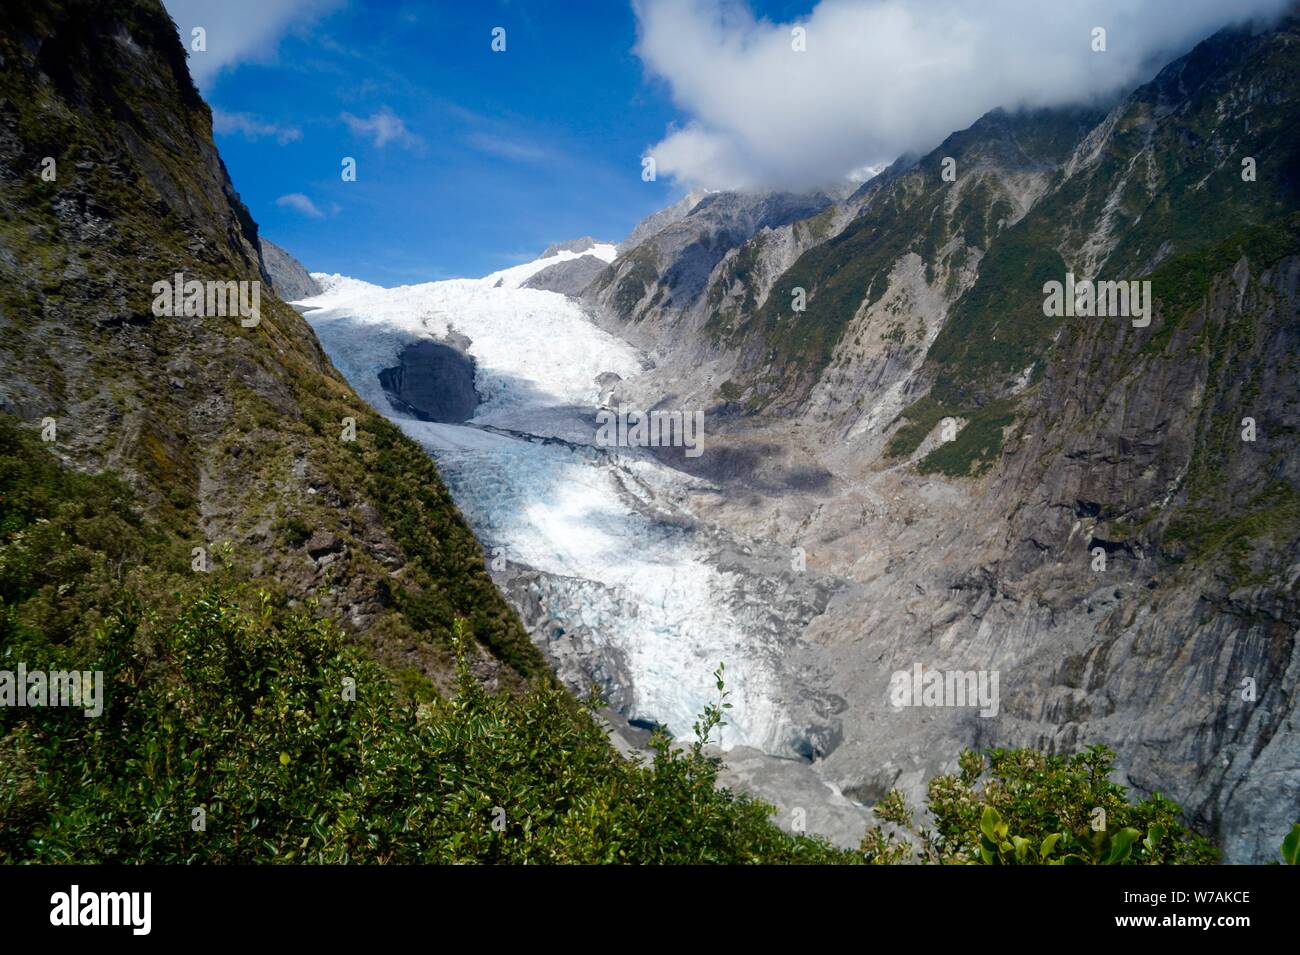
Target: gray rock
{"points": [[573, 245], [569, 277], [289, 279], [322, 543], [669, 271], [654, 224], [1185, 663]]}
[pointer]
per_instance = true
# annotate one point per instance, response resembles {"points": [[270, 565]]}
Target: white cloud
{"points": [[300, 203], [251, 127], [881, 77], [383, 126], [239, 30], [512, 149]]}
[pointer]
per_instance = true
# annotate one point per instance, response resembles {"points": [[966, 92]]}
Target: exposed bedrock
{"points": [[432, 382]]}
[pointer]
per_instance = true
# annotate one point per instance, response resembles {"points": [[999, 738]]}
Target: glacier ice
{"points": [[562, 506]]}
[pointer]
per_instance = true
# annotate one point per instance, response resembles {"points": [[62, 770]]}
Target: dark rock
{"points": [[432, 382], [573, 245], [322, 543], [569, 277]]}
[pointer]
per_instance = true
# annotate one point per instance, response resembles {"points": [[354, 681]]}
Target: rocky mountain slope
{"points": [[570, 275], [924, 431], [235, 429], [665, 274], [289, 280]]}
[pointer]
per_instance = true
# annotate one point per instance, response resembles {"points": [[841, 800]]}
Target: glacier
{"points": [[525, 472]]}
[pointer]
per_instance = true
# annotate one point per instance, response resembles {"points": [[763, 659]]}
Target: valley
{"points": [[964, 482], [912, 464], [600, 548]]}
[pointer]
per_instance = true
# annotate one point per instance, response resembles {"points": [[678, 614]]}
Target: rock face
{"points": [[432, 382], [570, 277], [573, 245], [289, 279], [668, 271], [1102, 511], [656, 223]]}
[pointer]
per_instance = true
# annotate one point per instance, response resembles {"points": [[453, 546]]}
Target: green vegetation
{"points": [[728, 326], [297, 747], [842, 273], [135, 159], [911, 213], [220, 697], [294, 530], [232, 692], [976, 447], [997, 329], [1198, 533], [1233, 517], [919, 419], [730, 391], [418, 511], [1180, 284], [1035, 809], [1291, 846], [634, 278]]}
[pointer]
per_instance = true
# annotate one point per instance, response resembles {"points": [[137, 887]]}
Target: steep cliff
{"points": [[1101, 509], [235, 429], [289, 280]]}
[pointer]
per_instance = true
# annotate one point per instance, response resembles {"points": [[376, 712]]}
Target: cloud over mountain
{"points": [[881, 77]]}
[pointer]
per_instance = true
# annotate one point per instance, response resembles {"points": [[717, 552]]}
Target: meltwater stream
{"points": [[615, 560]]}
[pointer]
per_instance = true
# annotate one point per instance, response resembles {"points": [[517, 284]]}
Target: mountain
{"points": [[658, 221], [229, 432], [976, 455], [667, 271], [583, 260], [297, 652], [915, 466], [289, 280]]}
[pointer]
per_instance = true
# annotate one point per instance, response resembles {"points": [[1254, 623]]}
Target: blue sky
{"points": [[470, 160], [501, 154]]}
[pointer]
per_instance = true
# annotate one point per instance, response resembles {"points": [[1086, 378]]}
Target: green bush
{"points": [[976, 447], [242, 710], [1291, 846], [1032, 809]]}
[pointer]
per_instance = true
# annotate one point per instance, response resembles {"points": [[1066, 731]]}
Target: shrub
{"points": [[1035, 808]]}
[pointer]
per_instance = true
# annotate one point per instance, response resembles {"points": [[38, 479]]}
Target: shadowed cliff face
{"points": [[231, 434], [432, 382]]}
